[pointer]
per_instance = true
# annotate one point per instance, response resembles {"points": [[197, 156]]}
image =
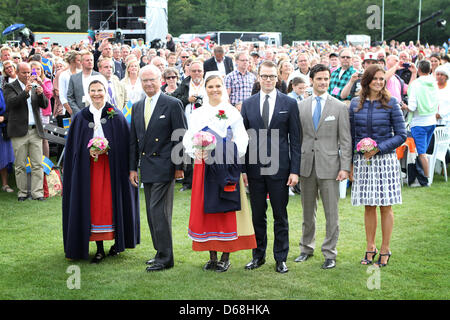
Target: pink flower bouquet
{"points": [[366, 145], [204, 140], [98, 144]]}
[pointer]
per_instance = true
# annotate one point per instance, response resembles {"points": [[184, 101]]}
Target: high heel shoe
{"points": [[366, 260], [383, 255]]}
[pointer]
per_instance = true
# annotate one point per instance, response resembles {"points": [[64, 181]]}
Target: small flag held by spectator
{"points": [[66, 123], [47, 165], [127, 111]]}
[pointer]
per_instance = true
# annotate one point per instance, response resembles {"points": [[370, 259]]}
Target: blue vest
{"points": [[222, 173]]}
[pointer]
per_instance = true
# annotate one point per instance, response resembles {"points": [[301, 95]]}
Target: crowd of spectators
{"points": [[185, 65]]}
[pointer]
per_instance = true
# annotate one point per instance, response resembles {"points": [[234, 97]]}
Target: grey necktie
{"points": [[265, 112]]}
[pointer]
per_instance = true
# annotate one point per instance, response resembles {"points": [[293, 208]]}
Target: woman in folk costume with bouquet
{"points": [[220, 219], [378, 128], [99, 202]]}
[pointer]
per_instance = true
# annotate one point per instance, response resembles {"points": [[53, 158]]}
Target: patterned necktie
{"points": [[148, 111], [317, 113], [111, 96], [265, 113]]}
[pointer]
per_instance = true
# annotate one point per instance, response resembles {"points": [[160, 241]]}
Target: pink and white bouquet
{"points": [[366, 145], [204, 140], [98, 144]]}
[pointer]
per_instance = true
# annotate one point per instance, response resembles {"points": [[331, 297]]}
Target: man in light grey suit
{"points": [[326, 159], [77, 91]]}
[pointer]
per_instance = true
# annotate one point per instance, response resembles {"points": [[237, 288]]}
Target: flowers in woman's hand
{"points": [[221, 115], [204, 140], [111, 113], [98, 145], [366, 145]]}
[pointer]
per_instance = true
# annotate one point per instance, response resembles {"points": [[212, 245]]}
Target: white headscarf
{"points": [[97, 114], [103, 81]]}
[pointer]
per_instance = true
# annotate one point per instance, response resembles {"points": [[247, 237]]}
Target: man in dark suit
{"points": [[153, 121], [218, 62], [272, 162], [23, 102]]}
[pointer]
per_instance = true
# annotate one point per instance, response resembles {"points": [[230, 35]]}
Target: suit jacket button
{"points": [[143, 153], [156, 139], [154, 153]]}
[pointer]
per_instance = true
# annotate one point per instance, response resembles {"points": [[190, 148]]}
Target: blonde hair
{"points": [[39, 65], [125, 78]]}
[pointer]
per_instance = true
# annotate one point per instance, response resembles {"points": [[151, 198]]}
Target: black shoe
{"points": [[329, 264], [22, 199], [210, 265], [99, 256], [40, 199], [112, 251], [255, 263], [303, 257], [150, 262], [223, 266], [379, 264], [281, 267], [157, 267], [184, 188], [366, 260]]}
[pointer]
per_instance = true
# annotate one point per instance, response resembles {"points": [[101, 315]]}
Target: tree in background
{"points": [[297, 19]]}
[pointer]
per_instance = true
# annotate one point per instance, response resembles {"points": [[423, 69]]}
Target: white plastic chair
{"points": [[441, 145]]}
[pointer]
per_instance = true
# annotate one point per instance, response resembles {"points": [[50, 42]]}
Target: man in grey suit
{"points": [[153, 122], [77, 91], [326, 159]]}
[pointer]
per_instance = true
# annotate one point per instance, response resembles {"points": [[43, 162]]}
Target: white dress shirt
{"points": [[272, 100], [154, 98], [63, 86], [31, 120], [221, 66], [323, 99]]}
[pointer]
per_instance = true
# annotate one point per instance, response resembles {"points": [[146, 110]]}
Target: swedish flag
{"points": [[127, 111], [47, 165], [66, 123], [28, 166], [48, 67]]}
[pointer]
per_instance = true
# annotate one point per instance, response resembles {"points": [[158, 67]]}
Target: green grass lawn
{"points": [[33, 266]]}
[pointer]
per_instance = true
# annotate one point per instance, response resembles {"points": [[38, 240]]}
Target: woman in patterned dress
{"points": [[376, 176]]}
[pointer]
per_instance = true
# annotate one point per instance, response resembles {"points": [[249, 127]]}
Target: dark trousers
{"points": [[159, 204], [279, 198]]}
